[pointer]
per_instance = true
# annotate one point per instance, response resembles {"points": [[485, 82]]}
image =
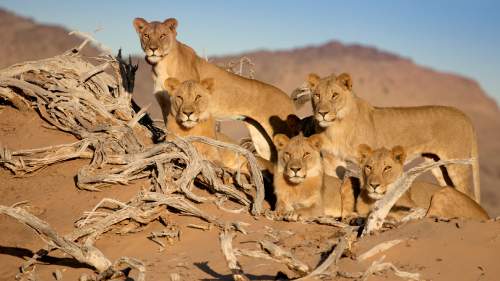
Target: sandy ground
{"points": [[455, 250]]}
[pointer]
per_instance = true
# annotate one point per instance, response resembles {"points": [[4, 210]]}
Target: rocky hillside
{"points": [[382, 78]]}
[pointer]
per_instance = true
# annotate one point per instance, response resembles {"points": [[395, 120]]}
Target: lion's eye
{"points": [[198, 97], [368, 169], [335, 95], [162, 36], [316, 95], [178, 98], [146, 36], [286, 155], [306, 155], [387, 168]]}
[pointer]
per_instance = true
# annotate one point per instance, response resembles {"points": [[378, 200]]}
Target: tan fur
{"points": [[449, 203], [189, 115], [234, 97], [440, 131], [333, 166], [382, 167], [300, 184]]}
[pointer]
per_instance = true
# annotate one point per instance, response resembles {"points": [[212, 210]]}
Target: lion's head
{"points": [[330, 97], [298, 157], [379, 168], [157, 38], [190, 100]]}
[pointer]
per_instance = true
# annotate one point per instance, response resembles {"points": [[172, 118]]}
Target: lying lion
{"points": [[300, 184], [259, 104], [434, 132], [382, 167]]}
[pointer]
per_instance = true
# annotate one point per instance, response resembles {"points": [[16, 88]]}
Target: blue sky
{"points": [[450, 35]]}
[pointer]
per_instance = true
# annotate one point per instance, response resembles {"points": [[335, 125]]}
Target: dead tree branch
{"points": [[85, 254]]}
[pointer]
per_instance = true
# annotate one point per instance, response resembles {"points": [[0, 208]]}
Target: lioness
{"points": [[435, 132], [189, 115], [235, 96], [382, 167], [300, 185]]}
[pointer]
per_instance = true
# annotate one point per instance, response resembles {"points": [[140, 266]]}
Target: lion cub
{"points": [[382, 167], [300, 184], [189, 115]]}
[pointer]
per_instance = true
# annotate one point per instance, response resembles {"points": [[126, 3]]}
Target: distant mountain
{"points": [[23, 39], [382, 78]]}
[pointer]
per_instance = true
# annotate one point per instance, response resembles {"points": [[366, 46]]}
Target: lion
{"points": [[308, 126], [263, 107], [382, 167], [189, 114], [434, 132], [300, 184]]}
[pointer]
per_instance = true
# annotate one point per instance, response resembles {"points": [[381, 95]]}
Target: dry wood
{"points": [[327, 221], [285, 257], [252, 163], [398, 188], [226, 242], [332, 259], [378, 266], [384, 246], [85, 254], [169, 234], [301, 95], [238, 67]]}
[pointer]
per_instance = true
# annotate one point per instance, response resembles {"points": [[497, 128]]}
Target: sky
{"points": [[455, 36]]}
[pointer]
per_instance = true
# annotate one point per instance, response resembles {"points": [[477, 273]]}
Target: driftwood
{"points": [[301, 95], [378, 266], [270, 251], [85, 253], [397, 189], [238, 67], [379, 249], [226, 242], [332, 259]]}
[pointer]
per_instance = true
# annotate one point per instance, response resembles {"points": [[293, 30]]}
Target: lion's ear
{"points": [[364, 151], [139, 24], [345, 80], [316, 141], [171, 23], [280, 140], [399, 154], [208, 83], [313, 80], [171, 84]]}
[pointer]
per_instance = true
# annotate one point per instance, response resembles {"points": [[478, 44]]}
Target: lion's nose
{"points": [[374, 185], [323, 113], [153, 48], [188, 112], [295, 169]]}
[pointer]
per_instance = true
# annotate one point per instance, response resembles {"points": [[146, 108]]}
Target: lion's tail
{"points": [[475, 170]]}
